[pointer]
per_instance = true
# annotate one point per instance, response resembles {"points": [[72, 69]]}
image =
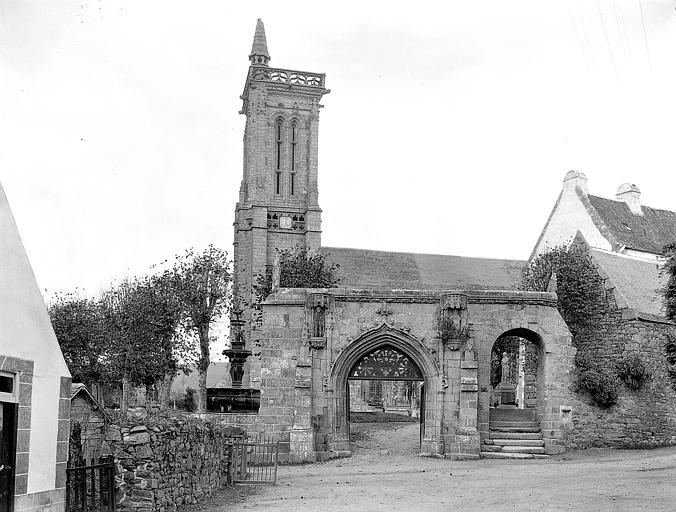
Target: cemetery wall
{"points": [[643, 418], [164, 464]]}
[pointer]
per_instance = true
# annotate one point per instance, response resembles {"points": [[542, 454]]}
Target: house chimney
{"points": [[575, 179], [630, 194]]}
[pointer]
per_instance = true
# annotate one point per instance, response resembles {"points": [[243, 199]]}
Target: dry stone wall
{"points": [[164, 464]]}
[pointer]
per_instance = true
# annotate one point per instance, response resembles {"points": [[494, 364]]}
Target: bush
{"points": [[601, 384], [633, 371], [599, 381]]}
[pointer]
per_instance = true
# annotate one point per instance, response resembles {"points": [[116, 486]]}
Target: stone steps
{"points": [[513, 439], [501, 455], [523, 449], [511, 414], [517, 424], [515, 435], [515, 429], [515, 442]]}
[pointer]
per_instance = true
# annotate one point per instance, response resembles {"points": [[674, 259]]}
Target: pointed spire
{"points": [[259, 49]]}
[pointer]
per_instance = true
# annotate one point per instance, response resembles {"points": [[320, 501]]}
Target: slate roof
{"points": [[363, 268], [638, 282], [649, 233]]}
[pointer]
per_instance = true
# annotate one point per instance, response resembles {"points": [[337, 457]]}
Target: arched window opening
{"points": [[294, 152], [278, 145], [294, 143], [278, 157]]}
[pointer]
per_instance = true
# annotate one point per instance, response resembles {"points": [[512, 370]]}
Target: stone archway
{"points": [[525, 379], [402, 342], [548, 409]]}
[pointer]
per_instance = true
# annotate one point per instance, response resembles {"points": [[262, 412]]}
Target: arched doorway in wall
{"points": [[385, 401], [343, 372], [514, 366], [517, 385]]}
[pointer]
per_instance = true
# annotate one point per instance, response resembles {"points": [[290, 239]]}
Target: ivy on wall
{"points": [[581, 302], [671, 360], [669, 291], [578, 285], [669, 300]]}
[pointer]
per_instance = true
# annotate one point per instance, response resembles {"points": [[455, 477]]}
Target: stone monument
{"points": [[507, 385]]}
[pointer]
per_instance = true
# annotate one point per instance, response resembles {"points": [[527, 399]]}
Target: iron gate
{"points": [[254, 460], [91, 488]]}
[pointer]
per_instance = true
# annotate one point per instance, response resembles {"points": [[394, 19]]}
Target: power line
{"points": [[605, 33], [579, 38], [645, 35]]}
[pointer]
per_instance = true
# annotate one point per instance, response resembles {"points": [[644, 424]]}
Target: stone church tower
{"points": [[277, 207]]}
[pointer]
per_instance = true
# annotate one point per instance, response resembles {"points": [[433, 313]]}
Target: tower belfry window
{"points": [[278, 157], [294, 143], [278, 145], [294, 152]]}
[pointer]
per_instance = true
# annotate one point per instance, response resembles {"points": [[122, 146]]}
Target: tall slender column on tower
{"points": [[278, 204]]}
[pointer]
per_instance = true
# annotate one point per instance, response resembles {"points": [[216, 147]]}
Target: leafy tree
{"points": [[127, 351], [161, 317], [201, 282], [669, 290], [146, 347], [77, 323]]}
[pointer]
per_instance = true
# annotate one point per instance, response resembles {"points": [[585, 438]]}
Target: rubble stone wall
{"points": [[644, 418], [164, 464]]}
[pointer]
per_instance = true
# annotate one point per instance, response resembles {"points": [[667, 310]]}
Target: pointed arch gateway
{"points": [[385, 353]]}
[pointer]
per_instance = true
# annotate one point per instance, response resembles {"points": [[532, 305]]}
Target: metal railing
{"points": [[91, 488], [255, 460]]}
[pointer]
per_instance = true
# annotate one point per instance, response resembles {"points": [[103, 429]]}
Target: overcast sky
{"points": [[448, 129]]}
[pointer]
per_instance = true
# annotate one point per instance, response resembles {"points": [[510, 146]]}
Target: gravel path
{"points": [[385, 474]]}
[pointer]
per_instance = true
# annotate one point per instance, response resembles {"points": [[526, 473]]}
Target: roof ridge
{"points": [[425, 254], [622, 202]]}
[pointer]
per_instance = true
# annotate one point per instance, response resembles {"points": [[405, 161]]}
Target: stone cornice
{"points": [[297, 296]]}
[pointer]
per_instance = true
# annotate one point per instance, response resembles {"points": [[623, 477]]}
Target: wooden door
{"points": [[7, 455]]}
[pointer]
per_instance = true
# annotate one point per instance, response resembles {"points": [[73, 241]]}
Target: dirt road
{"points": [[386, 475]]}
